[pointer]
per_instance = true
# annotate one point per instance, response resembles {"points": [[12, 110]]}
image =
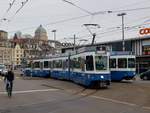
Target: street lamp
{"points": [[54, 31], [123, 42]]}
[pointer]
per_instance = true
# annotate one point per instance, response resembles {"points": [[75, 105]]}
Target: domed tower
{"points": [[41, 34]]}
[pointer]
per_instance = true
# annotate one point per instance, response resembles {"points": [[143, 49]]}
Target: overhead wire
{"points": [[80, 17], [71, 3], [22, 5], [116, 29], [3, 18], [10, 5], [133, 4]]}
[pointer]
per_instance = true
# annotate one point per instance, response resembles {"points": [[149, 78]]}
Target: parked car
{"points": [[145, 75], [3, 70], [22, 72]]}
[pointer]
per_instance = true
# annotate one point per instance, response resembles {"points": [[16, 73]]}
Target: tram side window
{"points": [[58, 63], [54, 64], [71, 64], [112, 63], [45, 64], [41, 65], [122, 63], [82, 64], [131, 63], [89, 63], [36, 64], [76, 63], [65, 64], [101, 62], [49, 64]]}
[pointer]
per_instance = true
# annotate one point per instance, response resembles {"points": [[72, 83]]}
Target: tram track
{"points": [[80, 94]]}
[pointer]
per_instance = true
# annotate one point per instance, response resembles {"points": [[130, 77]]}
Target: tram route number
{"points": [[144, 31]]}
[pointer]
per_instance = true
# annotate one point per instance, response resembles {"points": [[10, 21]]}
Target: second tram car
{"points": [[122, 66]]}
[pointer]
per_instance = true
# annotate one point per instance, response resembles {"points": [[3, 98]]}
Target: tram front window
{"points": [[101, 63], [89, 63], [131, 63], [122, 63]]}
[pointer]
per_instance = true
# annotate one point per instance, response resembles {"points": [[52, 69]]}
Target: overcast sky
{"points": [[52, 13]]}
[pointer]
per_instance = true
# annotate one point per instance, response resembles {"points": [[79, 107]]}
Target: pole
{"points": [[74, 42], [94, 35], [54, 31], [123, 42]]}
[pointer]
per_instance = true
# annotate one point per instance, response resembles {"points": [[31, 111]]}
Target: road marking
{"points": [[31, 91], [120, 102], [114, 101], [144, 107]]}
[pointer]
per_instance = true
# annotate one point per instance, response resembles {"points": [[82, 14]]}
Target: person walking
{"points": [[9, 77]]}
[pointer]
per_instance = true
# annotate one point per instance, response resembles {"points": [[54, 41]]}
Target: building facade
{"points": [[17, 55], [3, 35], [6, 56]]}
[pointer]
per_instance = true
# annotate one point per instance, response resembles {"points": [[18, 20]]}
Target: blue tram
{"points": [[122, 66], [88, 68]]}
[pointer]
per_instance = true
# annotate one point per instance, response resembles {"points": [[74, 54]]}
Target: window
{"points": [[82, 62], [89, 63], [45, 64], [50, 64], [71, 64], [122, 63], [41, 65], [58, 63], [54, 64], [101, 63], [113, 63], [131, 63], [76, 63], [36, 64], [65, 64]]}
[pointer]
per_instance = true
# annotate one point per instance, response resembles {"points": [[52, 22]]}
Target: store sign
{"points": [[144, 31], [146, 50]]}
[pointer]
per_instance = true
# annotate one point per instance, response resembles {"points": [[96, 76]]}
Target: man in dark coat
{"points": [[9, 77]]}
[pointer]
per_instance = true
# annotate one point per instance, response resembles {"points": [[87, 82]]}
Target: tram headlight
{"points": [[102, 76]]}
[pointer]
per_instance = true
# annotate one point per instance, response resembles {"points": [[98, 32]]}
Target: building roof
{"points": [[113, 41], [3, 31], [40, 29]]}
